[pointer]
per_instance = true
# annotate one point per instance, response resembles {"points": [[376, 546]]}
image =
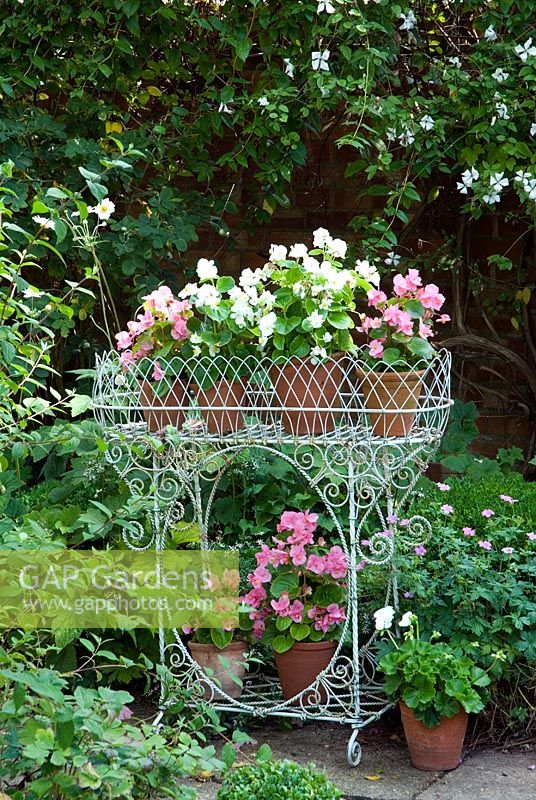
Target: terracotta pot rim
{"points": [[460, 713], [326, 645], [391, 374], [206, 647]]}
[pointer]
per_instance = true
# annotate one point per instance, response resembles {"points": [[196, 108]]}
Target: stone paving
{"points": [[385, 772]]}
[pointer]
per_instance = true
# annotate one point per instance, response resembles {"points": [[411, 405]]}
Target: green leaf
{"points": [[286, 582], [415, 308], [391, 355], [79, 404], [300, 631], [340, 320], [420, 347], [282, 643], [225, 283], [228, 754], [264, 754], [89, 176]]}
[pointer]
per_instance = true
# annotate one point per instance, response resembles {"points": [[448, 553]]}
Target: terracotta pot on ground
{"points": [[208, 656], [164, 409], [223, 393], [299, 667], [301, 384], [394, 392], [436, 748]]}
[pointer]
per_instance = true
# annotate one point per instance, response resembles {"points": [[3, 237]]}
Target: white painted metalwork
{"points": [[359, 445]]}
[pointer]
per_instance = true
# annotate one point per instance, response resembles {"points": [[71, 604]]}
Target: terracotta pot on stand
{"points": [[162, 411], [438, 748], [299, 667], [301, 384], [208, 656], [229, 396], [394, 392]]}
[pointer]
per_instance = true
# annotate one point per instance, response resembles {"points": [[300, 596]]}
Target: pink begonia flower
{"points": [[404, 522], [468, 531], [260, 576], [298, 555], [431, 297], [409, 595], [186, 629], [316, 564], [376, 348], [127, 358], [375, 297], [263, 556], [488, 512], [258, 629], [443, 319], [145, 321], [360, 566], [405, 323], [179, 330], [388, 533], [312, 613], [443, 487], [425, 331], [508, 499], [281, 606], [134, 328], [407, 284], [485, 545], [531, 536], [158, 372], [255, 597], [391, 315], [420, 550], [124, 340], [365, 542], [295, 611], [446, 509], [369, 323], [335, 562], [278, 557], [321, 541], [507, 550], [144, 348], [392, 519], [335, 613]]}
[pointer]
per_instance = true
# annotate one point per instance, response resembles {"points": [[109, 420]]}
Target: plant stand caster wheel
{"points": [[353, 752]]}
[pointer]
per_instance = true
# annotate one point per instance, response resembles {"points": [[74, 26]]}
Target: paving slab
{"points": [[385, 772]]}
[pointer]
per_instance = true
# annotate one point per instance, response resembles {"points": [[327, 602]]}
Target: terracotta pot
{"points": [[208, 656], [299, 667], [163, 411], [224, 393], [301, 384], [436, 748], [396, 392]]}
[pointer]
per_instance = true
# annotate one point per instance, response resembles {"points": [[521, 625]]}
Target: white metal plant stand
{"points": [[173, 448]]}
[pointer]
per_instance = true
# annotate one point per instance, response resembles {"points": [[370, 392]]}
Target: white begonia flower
{"points": [[315, 320], [525, 50], [267, 299], [104, 209], [223, 108], [489, 34], [263, 101], [320, 237], [500, 75], [532, 131], [392, 260], [206, 269], [195, 338], [368, 272], [266, 327], [278, 252], [319, 352], [391, 134], [311, 265], [249, 278], [326, 302], [455, 61], [188, 291], [208, 295], [406, 619], [298, 251], [299, 290], [289, 67], [44, 222], [325, 5], [31, 291], [406, 137], [327, 337], [383, 618], [319, 60], [337, 247], [427, 123], [409, 21]]}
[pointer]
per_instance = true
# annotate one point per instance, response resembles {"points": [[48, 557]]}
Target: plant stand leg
{"points": [[353, 751]]}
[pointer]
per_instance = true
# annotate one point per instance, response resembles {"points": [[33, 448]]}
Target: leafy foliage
{"points": [[277, 780]]}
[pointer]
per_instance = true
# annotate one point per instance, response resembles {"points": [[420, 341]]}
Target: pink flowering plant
{"points": [[298, 586], [157, 334], [403, 324]]}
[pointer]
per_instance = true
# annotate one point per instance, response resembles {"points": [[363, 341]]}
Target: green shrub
{"points": [[477, 586], [277, 780]]}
